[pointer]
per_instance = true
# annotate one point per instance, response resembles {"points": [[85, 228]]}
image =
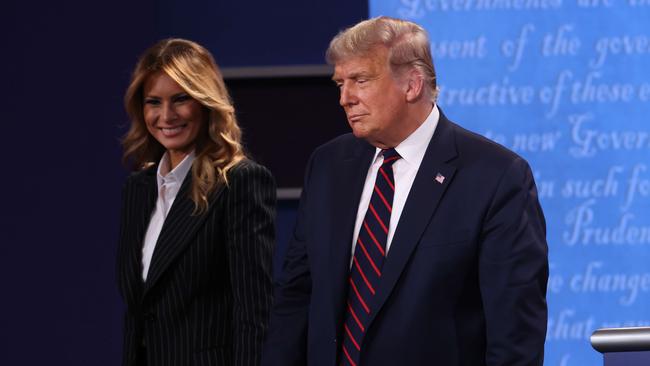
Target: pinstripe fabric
{"points": [[208, 291]]}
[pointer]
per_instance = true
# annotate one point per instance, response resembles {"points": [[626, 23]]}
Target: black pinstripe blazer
{"points": [[208, 289]]}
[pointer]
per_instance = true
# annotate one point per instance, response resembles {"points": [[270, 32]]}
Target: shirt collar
{"points": [[178, 174], [412, 149]]}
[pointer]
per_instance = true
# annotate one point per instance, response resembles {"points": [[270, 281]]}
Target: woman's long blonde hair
{"points": [[218, 147]]}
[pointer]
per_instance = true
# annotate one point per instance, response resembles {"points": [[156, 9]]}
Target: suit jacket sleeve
{"points": [[286, 343], [513, 271], [250, 232]]}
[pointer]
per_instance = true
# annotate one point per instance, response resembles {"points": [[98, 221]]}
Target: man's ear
{"points": [[414, 86]]}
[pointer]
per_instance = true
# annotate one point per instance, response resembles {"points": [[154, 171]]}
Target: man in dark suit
{"points": [[417, 242]]}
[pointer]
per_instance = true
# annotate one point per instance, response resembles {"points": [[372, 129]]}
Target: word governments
{"points": [[416, 7]]}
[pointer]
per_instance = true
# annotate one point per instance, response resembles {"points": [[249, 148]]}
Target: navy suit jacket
{"points": [[464, 282]]}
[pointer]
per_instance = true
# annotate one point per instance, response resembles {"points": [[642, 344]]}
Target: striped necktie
{"points": [[368, 259]]}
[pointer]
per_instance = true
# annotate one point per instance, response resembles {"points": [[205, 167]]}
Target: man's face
{"points": [[373, 98]]}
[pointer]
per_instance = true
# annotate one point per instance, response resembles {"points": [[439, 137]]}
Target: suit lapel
{"points": [[144, 197], [179, 227], [349, 183], [420, 206]]}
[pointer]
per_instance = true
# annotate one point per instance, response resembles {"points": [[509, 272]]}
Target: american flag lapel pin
{"points": [[440, 178]]}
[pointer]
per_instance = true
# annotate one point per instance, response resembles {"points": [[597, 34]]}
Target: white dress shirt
{"points": [[169, 182], [412, 151]]}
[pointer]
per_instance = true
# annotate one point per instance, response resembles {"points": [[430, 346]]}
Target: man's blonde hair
{"points": [[407, 43]]}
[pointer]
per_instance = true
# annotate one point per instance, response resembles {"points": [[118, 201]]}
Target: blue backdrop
{"points": [[566, 84]]}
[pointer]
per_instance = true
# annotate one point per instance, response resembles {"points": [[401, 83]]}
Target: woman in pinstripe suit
{"points": [[197, 225]]}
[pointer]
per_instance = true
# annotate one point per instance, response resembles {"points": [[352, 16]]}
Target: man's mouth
{"points": [[355, 117]]}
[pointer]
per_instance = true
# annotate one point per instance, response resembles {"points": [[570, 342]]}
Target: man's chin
{"points": [[363, 135]]}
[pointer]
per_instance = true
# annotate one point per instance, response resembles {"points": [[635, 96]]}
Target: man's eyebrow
{"points": [[352, 75]]}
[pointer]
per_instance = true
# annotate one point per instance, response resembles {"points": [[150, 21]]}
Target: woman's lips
{"points": [[172, 131]]}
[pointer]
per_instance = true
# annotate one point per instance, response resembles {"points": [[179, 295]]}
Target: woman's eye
{"points": [[151, 101], [182, 98]]}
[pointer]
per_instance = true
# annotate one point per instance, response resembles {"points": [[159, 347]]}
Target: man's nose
{"points": [[347, 96]]}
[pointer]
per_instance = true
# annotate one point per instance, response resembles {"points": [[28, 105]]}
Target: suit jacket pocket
{"points": [[439, 238]]}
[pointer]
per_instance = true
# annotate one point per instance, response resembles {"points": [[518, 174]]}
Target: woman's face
{"points": [[172, 116]]}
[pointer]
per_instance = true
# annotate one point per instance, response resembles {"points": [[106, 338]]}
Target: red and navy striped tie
{"points": [[368, 259]]}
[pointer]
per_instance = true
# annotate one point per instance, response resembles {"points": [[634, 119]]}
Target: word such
{"points": [[598, 188]]}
